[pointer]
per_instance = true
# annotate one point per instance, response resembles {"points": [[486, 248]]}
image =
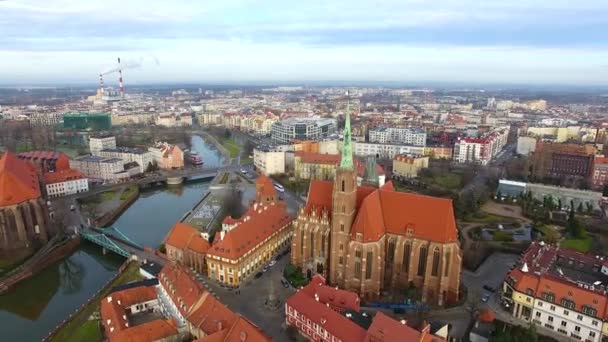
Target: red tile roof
{"points": [[384, 328], [337, 298], [242, 330], [183, 236], [264, 187], [62, 176], [318, 158], [18, 181], [487, 316], [59, 160], [384, 210], [253, 229]]}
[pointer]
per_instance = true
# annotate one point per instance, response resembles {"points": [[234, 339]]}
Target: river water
{"points": [[31, 310]]}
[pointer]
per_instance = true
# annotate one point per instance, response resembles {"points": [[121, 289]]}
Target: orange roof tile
{"points": [[18, 181], [487, 316], [183, 236], [146, 332], [242, 330], [264, 187], [318, 158], [338, 298], [62, 176], [384, 328], [253, 229]]}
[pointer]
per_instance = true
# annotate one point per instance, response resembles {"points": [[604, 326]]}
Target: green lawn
{"points": [[107, 195], [88, 331], [549, 234], [128, 192], [450, 181], [581, 245], [232, 146], [79, 325]]}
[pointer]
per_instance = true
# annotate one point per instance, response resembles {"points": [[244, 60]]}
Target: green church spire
{"points": [[347, 148]]}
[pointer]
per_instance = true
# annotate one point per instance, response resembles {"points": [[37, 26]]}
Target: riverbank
{"points": [[219, 146], [104, 208], [80, 325]]}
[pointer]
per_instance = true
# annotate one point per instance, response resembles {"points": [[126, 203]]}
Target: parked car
{"points": [[272, 263], [285, 283], [265, 269], [489, 288], [279, 187], [485, 297], [259, 274]]}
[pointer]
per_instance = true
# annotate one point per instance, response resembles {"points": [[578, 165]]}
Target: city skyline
{"points": [[546, 42]]}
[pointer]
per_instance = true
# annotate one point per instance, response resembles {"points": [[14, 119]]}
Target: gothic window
{"points": [[323, 243], [407, 250], [447, 264], [343, 185], [368, 265], [358, 263], [435, 270], [343, 209], [422, 261], [341, 227], [302, 242], [391, 252], [312, 244]]}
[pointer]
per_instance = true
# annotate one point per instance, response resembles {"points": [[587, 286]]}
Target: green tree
{"points": [[605, 192], [579, 209]]}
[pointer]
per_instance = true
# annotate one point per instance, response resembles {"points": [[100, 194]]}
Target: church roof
{"points": [[384, 210], [18, 181]]}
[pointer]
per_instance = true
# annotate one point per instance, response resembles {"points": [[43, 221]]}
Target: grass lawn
{"points": [[581, 245], [128, 192], [88, 331], [549, 234], [232, 146], [450, 181], [79, 326], [107, 195], [482, 217]]}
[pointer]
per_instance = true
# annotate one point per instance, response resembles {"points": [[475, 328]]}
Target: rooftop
{"points": [[18, 181], [62, 176], [183, 236]]}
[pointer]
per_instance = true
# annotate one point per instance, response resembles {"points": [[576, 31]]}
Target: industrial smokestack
{"points": [[101, 87], [120, 85]]}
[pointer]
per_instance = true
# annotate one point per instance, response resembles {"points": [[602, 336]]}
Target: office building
{"points": [[288, 130], [101, 142], [399, 136], [143, 158], [561, 161], [87, 121], [385, 150], [65, 183], [269, 160], [100, 168]]}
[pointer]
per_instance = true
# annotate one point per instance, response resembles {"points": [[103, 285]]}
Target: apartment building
{"points": [[561, 290], [480, 150], [285, 131], [100, 168], [385, 150], [599, 175], [65, 183], [269, 160], [405, 136], [167, 156], [102, 142], [408, 166], [557, 161], [143, 158]]}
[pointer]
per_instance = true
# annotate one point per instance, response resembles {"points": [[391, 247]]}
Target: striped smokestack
{"points": [[121, 87], [101, 83]]}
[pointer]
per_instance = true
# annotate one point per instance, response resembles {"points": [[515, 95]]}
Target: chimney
{"points": [[120, 84], [101, 86]]}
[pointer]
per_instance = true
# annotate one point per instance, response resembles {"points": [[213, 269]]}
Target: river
{"points": [[31, 310]]}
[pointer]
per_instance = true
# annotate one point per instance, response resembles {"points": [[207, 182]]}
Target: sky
{"points": [[200, 41]]}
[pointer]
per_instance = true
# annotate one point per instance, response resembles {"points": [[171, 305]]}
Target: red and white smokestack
{"points": [[101, 83], [121, 87]]}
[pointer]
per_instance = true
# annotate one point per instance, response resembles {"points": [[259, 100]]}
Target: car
{"points": [[72, 207], [243, 171], [272, 263], [259, 274], [279, 187], [278, 257], [285, 283], [489, 288], [485, 297], [265, 269]]}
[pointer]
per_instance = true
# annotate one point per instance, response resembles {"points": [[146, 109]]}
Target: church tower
{"points": [[344, 205]]}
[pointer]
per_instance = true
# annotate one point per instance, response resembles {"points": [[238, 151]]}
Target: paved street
{"points": [[250, 301]]}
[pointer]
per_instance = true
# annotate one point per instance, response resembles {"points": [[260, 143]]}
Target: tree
{"points": [[589, 208], [152, 166], [579, 209], [227, 133], [605, 191], [515, 333]]}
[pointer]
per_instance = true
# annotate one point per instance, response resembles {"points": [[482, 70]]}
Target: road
{"points": [[496, 165]]}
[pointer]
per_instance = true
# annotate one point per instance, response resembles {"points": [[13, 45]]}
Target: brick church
{"points": [[374, 240]]}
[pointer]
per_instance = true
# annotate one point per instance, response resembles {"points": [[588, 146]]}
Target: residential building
{"points": [[65, 183], [167, 156], [87, 121], [250, 242], [269, 160], [186, 246], [324, 313], [385, 150], [408, 166], [310, 165], [101, 142], [46, 119], [561, 161], [439, 152], [143, 158], [404, 136], [370, 240], [100, 168], [46, 161], [24, 217], [174, 120], [285, 131], [599, 175], [484, 327], [322, 146], [173, 307], [559, 289], [480, 150], [265, 193]]}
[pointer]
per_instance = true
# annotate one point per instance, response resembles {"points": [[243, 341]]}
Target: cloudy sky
{"points": [[468, 41]]}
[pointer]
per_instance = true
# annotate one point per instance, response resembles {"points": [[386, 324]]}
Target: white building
{"points": [[174, 120], [46, 119], [141, 157], [100, 168], [308, 128], [406, 136], [385, 150], [526, 145], [480, 150], [269, 161], [103, 142], [65, 183]]}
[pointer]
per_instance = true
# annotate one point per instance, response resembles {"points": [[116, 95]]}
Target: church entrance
{"points": [[309, 274], [320, 268]]}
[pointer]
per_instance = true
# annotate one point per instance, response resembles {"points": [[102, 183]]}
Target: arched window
{"points": [[447, 264], [302, 242], [312, 244], [422, 261], [435, 269], [390, 253], [407, 250], [323, 244], [358, 263], [343, 185], [368, 264], [343, 209]]}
